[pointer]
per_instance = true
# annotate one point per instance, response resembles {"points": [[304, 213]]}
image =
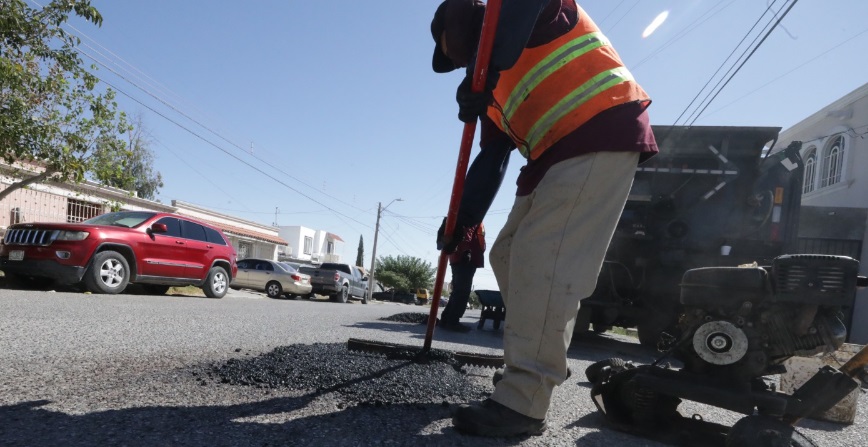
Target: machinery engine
{"points": [[740, 323]]}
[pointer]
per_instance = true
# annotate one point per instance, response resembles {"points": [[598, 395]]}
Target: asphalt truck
{"points": [[713, 196]]}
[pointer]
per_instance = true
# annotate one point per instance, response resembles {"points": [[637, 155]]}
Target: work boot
{"points": [[493, 419], [453, 326], [498, 374]]}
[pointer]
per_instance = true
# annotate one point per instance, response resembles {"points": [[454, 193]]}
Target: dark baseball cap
{"points": [[462, 21]]}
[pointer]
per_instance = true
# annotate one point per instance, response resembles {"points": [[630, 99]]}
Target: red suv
{"points": [[110, 251]]}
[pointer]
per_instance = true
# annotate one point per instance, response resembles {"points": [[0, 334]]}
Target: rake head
{"points": [[414, 353]]}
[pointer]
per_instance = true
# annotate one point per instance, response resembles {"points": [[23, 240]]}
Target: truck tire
{"points": [[109, 273], [343, 296], [216, 283], [656, 322]]}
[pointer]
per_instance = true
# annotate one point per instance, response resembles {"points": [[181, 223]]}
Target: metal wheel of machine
{"points": [[216, 283], [765, 431], [273, 289], [109, 272]]}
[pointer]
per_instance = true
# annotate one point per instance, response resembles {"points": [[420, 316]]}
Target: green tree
{"points": [[404, 272], [130, 169], [360, 253], [52, 117]]}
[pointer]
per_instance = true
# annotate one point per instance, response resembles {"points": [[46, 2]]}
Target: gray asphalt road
{"points": [[81, 370]]}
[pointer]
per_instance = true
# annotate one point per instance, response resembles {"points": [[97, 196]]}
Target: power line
{"points": [[707, 83], [734, 69], [173, 108], [612, 12], [192, 168], [624, 15], [755, 48], [818, 56], [176, 110], [230, 154]]}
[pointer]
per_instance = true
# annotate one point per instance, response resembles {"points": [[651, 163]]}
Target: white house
{"points": [[835, 187], [308, 245]]}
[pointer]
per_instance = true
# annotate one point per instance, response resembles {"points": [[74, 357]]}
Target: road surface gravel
{"points": [[131, 370]]}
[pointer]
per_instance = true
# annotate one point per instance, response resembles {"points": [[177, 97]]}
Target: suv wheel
{"points": [[109, 273], [273, 289], [216, 283]]}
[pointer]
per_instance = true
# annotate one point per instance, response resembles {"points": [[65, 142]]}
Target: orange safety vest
{"points": [[555, 88]]}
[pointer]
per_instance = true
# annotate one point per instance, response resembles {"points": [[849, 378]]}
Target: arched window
{"points": [[810, 170], [833, 161]]}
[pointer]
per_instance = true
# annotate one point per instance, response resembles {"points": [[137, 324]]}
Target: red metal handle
{"points": [[480, 73]]}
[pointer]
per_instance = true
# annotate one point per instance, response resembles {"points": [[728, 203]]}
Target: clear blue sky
{"points": [[323, 109]]}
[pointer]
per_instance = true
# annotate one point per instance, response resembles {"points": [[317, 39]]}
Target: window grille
{"points": [[79, 210], [17, 216], [308, 245], [833, 162], [810, 171]]}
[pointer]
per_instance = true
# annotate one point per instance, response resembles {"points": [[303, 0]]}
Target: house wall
{"points": [[321, 241], [248, 248], [31, 205], [848, 118], [294, 236]]}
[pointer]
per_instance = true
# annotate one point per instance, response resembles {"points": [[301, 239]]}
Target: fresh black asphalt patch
{"points": [[357, 378]]}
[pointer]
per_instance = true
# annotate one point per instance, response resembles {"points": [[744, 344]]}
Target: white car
{"points": [[272, 277]]}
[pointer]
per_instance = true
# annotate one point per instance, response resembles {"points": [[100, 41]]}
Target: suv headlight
{"points": [[71, 235]]}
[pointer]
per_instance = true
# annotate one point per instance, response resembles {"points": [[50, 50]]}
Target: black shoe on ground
{"points": [[498, 374], [493, 419], [453, 326]]}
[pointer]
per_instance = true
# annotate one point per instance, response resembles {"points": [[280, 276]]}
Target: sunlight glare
{"points": [[655, 24]]}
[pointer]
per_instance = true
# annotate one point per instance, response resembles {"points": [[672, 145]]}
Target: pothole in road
{"points": [[358, 378], [407, 317]]}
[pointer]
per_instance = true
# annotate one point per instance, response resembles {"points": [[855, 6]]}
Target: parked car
{"points": [[273, 278], [341, 282], [395, 296], [298, 265], [422, 296], [110, 251]]}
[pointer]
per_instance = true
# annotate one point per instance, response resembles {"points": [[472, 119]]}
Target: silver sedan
{"points": [[273, 278]]}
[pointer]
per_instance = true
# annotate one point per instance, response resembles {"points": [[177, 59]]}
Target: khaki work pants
{"points": [[546, 259]]}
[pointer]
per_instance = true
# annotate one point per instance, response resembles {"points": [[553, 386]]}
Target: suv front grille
{"points": [[28, 237]]}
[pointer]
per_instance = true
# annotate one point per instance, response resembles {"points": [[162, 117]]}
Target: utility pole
{"points": [[371, 282]]}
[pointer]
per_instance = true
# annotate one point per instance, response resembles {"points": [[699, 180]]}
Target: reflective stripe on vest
{"points": [[555, 88], [566, 53], [576, 98]]}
